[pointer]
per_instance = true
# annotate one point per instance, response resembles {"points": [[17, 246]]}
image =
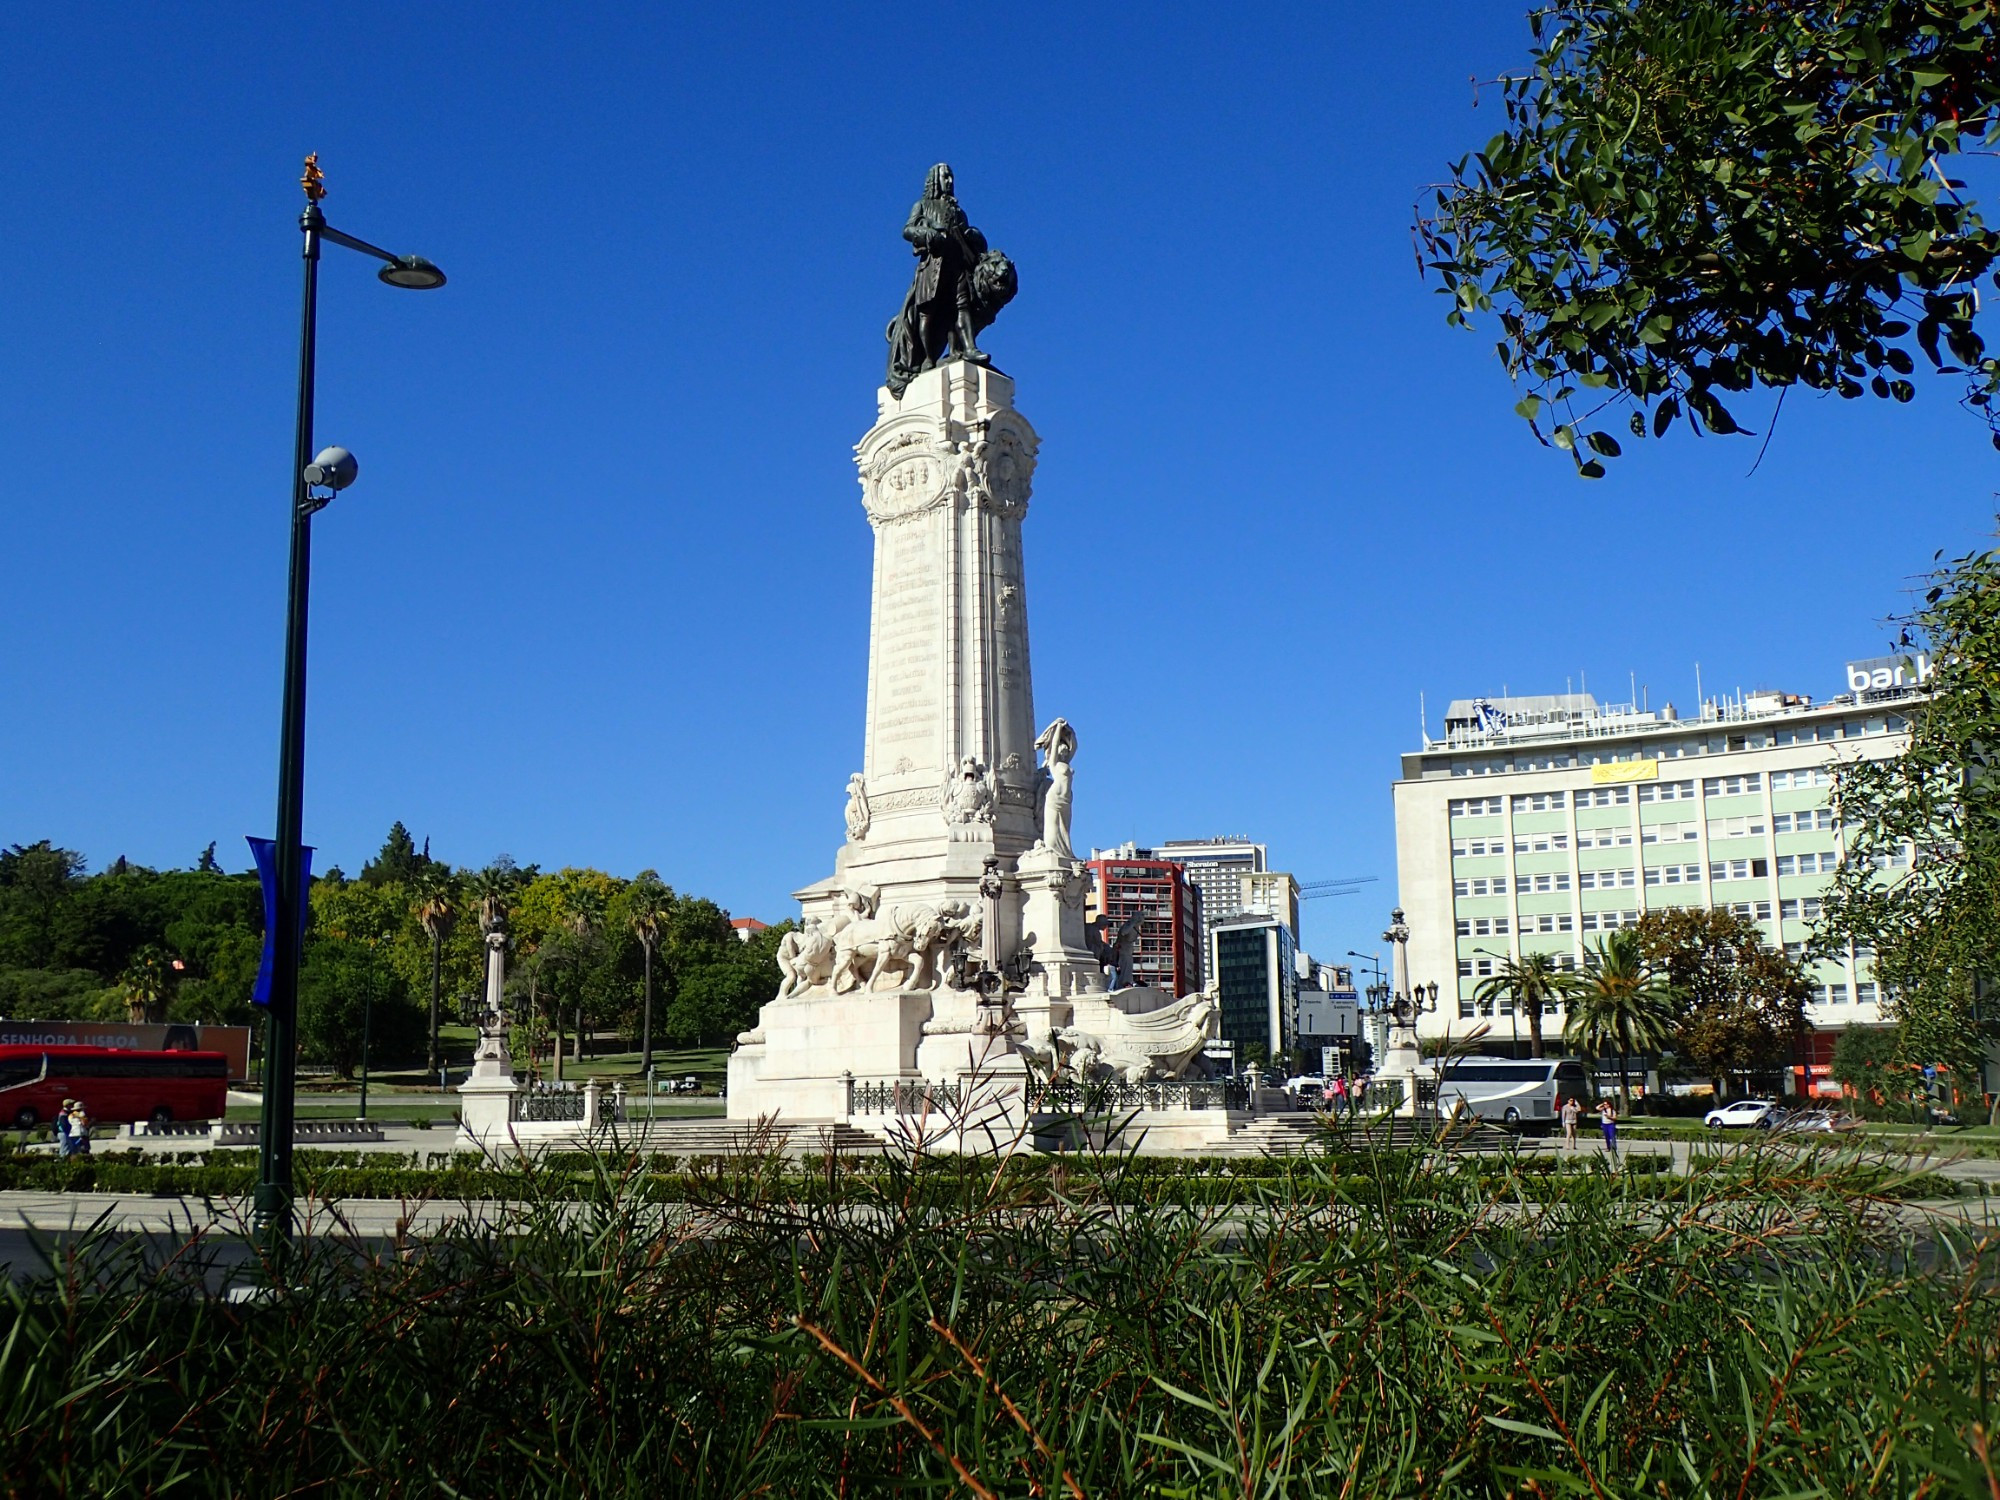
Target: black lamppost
{"points": [[332, 470]]}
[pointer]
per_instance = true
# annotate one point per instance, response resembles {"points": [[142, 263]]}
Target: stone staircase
{"points": [[1300, 1131], [1401, 1133], [734, 1137]]}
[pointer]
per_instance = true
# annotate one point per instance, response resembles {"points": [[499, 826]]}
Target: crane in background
{"points": [[1312, 890]]}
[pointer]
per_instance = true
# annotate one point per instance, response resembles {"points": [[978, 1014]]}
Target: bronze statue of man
{"points": [[959, 288]]}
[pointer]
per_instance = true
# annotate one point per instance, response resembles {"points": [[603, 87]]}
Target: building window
{"points": [[1609, 921], [1605, 880], [1674, 875], [1864, 993], [1752, 911], [1669, 833], [1742, 869], [1733, 828], [1604, 838], [1540, 802], [1525, 884], [1540, 843], [1805, 909], [1605, 796], [1474, 847], [1825, 862], [1792, 781], [1732, 786], [1802, 822], [1667, 791], [1475, 807]]}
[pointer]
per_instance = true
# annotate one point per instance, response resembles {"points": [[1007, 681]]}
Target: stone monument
{"points": [[957, 872], [487, 1096]]}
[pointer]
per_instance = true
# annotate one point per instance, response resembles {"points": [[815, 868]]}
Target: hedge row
{"points": [[666, 1180]]}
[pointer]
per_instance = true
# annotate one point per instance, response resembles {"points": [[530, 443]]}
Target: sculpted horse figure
{"points": [[902, 944], [806, 957]]}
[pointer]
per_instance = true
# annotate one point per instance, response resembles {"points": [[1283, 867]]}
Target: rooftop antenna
{"points": [[1700, 704], [1423, 717], [1635, 689]]}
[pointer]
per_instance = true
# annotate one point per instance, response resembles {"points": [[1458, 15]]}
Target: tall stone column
{"points": [[948, 758]]}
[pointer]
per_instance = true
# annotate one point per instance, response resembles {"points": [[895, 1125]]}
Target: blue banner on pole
{"points": [[265, 852]]}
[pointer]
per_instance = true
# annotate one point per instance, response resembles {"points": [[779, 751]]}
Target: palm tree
{"points": [[1620, 1002], [647, 912], [435, 897], [1533, 981], [493, 888], [583, 908]]}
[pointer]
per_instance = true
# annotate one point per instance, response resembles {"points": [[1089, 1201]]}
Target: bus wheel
{"points": [[25, 1117], [161, 1115], [1513, 1116]]}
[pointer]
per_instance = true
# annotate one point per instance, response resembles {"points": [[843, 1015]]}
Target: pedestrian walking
{"points": [[1608, 1118], [79, 1130], [1572, 1111], [62, 1127], [1339, 1095]]}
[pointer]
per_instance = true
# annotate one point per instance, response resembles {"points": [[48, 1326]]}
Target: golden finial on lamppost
{"points": [[314, 182]]}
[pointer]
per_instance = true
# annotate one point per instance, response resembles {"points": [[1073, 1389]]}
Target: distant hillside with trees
{"points": [[129, 942]]}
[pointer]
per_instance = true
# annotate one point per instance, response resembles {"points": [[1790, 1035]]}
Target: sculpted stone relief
{"points": [[969, 795], [858, 815], [1157, 1044], [990, 468], [900, 948]]}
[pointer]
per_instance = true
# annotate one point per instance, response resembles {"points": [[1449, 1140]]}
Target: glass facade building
{"points": [[1255, 965]]}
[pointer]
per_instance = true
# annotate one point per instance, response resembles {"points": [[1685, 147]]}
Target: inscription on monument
{"points": [[907, 639]]}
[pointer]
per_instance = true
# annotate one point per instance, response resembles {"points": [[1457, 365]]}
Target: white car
{"points": [[1742, 1114]]}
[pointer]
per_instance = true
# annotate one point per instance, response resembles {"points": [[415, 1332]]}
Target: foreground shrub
{"points": [[1357, 1325]]}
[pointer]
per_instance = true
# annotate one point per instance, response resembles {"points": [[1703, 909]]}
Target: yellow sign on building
{"points": [[1624, 770]]}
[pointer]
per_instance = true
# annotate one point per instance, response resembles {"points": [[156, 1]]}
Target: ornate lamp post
{"points": [[1406, 1002], [333, 470]]}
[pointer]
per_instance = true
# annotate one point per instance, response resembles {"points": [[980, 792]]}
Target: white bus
{"points": [[1514, 1091]]}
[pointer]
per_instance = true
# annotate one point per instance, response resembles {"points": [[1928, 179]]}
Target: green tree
{"points": [[1740, 1004], [1864, 1060], [647, 904], [1920, 884], [399, 859], [341, 981], [1621, 1004], [35, 881], [1534, 982], [208, 864], [1694, 199], [146, 984], [434, 897]]}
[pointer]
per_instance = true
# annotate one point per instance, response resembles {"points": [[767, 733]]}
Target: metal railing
{"points": [[540, 1103], [902, 1098], [1096, 1095]]}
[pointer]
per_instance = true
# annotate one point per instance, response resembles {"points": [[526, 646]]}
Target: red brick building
{"points": [[1131, 881]]}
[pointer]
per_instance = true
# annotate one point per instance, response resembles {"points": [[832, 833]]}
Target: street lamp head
{"points": [[412, 272], [334, 467]]}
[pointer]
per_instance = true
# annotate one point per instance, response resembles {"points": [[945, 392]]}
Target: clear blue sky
{"points": [[600, 595]]}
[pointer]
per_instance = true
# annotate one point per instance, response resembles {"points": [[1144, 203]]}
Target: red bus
{"points": [[115, 1084]]}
